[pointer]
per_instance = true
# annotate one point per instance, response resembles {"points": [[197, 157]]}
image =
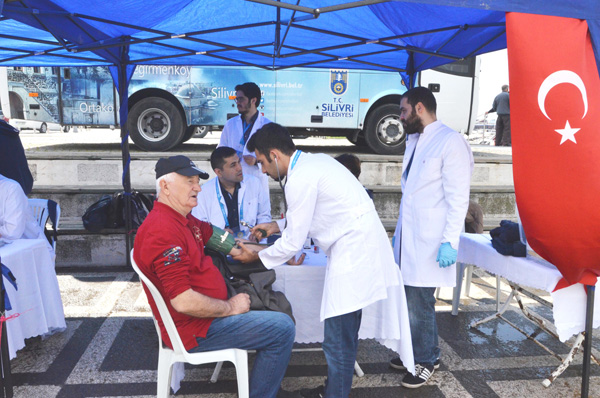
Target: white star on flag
{"points": [[568, 133]]}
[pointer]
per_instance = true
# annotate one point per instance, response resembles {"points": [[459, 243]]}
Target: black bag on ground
{"points": [[140, 207], [109, 211], [95, 217], [253, 279]]}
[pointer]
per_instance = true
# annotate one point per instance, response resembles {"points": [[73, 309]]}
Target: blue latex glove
{"points": [[446, 255]]}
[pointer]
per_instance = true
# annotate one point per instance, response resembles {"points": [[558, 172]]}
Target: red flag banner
{"points": [[555, 118]]}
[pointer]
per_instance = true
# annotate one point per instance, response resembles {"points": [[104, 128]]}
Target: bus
{"points": [[168, 104]]}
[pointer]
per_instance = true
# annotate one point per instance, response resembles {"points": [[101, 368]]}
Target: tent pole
{"points": [[587, 344], [123, 99]]}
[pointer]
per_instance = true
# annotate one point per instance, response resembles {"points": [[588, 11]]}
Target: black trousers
{"points": [[503, 131]]}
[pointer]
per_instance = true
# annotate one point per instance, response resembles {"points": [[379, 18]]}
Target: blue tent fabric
{"points": [[380, 36]]}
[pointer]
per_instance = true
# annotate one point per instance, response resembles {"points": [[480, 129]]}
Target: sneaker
{"points": [[422, 374], [318, 392], [396, 363]]}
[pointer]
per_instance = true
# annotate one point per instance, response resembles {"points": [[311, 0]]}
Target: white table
{"points": [[568, 304], [37, 299], [303, 286]]}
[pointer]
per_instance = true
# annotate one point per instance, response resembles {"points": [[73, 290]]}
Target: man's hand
{"points": [[294, 261], [251, 160], [270, 228], [240, 304], [244, 254], [446, 255]]}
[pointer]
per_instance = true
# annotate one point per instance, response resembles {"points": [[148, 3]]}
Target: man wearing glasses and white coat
{"points": [[326, 202], [238, 130]]}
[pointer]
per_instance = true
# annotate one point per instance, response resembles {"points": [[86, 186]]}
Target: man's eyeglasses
{"points": [[239, 99]]}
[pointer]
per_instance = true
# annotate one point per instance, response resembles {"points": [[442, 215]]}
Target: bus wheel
{"points": [[384, 133], [155, 124], [43, 128]]}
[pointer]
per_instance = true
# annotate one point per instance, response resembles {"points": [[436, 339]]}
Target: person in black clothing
{"points": [[13, 163]]}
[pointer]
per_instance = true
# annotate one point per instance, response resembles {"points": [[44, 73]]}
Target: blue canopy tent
{"points": [[404, 36]]}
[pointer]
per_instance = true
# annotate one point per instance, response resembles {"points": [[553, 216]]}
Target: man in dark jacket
{"points": [[501, 106], [13, 163]]}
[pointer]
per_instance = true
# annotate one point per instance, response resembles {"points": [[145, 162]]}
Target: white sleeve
{"points": [[302, 200], [456, 181], [224, 140], [14, 212]]}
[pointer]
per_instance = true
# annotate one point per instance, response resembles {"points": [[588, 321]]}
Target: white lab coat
{"points": [[231, 136], [251, 197], [16, 219], [327, 203], [435, 199]]}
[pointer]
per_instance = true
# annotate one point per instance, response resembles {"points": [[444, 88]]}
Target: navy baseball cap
{"points": [[179, 164]]}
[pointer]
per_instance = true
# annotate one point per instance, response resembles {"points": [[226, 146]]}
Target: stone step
{"points": [[496, 201], [89, 169]]}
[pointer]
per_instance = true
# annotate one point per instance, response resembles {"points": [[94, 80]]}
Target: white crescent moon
{"points": [[556, 78]]}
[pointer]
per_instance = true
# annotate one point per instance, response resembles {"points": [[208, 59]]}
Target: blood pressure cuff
{"points": [[221, 241]]}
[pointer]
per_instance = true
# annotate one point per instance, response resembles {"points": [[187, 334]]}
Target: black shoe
{"points": [[396, 363], [318, 392], [422, 374]]}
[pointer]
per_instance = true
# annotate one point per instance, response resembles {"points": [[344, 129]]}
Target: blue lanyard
{"points": [[298, 152], [245, 127], [219, 198]]}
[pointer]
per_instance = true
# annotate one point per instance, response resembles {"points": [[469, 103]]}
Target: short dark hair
{"points": [[217, 158], [352, 163], [251, 90], [422, 95], [271, 136]]}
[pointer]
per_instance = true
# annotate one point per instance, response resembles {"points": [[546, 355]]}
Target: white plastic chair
{"points": [[39, 209], [167, 357]]}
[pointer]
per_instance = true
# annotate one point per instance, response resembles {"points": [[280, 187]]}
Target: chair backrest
{"points": [[42, 210], [162, 310], [39, 208]]}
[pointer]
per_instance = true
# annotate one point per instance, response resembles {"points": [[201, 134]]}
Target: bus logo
{"points": [[338, 81]]}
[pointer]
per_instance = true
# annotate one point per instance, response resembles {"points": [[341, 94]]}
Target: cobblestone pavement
{"points": [[109, 350]]}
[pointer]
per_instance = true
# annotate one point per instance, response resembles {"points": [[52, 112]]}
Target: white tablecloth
{"points": [[531, 271], [37, 299], [303, 286]]}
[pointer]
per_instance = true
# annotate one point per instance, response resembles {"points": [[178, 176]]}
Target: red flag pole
{"points": [[587, 345]]}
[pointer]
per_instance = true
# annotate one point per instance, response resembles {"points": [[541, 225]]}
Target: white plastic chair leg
{"points": [[215, 375], [163, 382], [241, 369], [357, 369]]}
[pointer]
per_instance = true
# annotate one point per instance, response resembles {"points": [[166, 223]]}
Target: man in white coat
{"points": [[436, 177], [326, 202], [230, 198], [238, 130]]}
